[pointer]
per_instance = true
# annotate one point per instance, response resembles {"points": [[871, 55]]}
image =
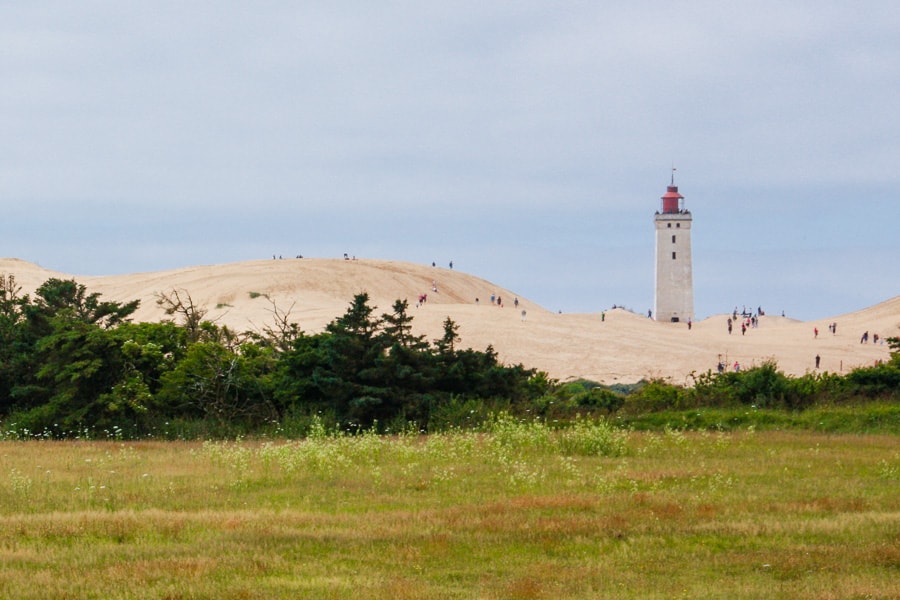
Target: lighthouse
{"points": [[674, 290]]}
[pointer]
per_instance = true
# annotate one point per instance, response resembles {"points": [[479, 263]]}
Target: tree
{"points": [[152, 349], [80, 365], [214, 382], [12, 351], [398, 328], [180, 302], [347, 376], [447, 343], [894, 344], [61, 297], [294, 384], [66, 355], [282, 333]]}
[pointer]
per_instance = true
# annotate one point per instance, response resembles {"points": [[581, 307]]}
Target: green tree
{"points": [[217, 383], [294, 381], [69, 299], [446, 344], [348, 375], [80, 365], [14, 347], [68, 358], [894, 344], [397, 328]]}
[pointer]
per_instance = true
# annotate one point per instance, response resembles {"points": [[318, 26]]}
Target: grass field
{"points": [[519, 512]]}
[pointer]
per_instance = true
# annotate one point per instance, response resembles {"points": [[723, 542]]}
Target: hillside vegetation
{"points": [[73, 364]]}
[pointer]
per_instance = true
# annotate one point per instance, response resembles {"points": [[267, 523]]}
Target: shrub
{"points": [[763, 386], [601, 399], [564, 401], [655, 395], [880, 380], [459, 412]]}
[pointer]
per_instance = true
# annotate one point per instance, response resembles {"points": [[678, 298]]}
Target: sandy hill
{"points": [[622, 348]]}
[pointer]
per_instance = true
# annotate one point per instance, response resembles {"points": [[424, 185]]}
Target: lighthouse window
{"points": [[677, 224], [673, 256], [673, 239], [669, 225]]}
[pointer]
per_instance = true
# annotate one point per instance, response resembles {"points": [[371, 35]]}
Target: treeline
{"points": [[72, 364]]}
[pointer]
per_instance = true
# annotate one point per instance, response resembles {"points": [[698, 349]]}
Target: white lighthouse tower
{"points": [[674, 293]]}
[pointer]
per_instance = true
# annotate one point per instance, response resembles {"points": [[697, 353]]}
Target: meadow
{"points": [[517, 510]]}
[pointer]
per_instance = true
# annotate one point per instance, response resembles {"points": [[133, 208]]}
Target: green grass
{"points": [[868, 417], [520, 511]]}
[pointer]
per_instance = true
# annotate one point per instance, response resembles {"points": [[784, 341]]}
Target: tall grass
{"points": [[516, 510]]}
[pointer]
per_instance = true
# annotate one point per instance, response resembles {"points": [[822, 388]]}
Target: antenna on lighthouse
{"points": [[673, 175]]}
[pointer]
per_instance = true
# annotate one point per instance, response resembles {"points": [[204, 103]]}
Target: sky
{"points": [[528, 142]]}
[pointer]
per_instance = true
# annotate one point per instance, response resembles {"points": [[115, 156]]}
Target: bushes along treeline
{"points": [[71, 363]]}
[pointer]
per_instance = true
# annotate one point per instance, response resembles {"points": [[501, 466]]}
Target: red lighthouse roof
{"points": [[671, 200]]}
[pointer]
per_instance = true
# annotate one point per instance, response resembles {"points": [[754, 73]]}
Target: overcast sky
{"points": [[528, 142]]}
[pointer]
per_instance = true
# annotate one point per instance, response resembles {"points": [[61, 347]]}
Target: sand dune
{"points": [[624, 348]]}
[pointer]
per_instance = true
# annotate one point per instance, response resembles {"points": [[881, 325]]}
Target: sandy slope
{"points": [[623, 348]]}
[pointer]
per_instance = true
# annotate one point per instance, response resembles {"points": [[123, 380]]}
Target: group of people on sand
{"points": [[875, 338], [748, 323], [748, 319], [498, 301], [495, 299], [721, 367], [832, 327], [747, 313], [423, 297], [864, 339]]}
